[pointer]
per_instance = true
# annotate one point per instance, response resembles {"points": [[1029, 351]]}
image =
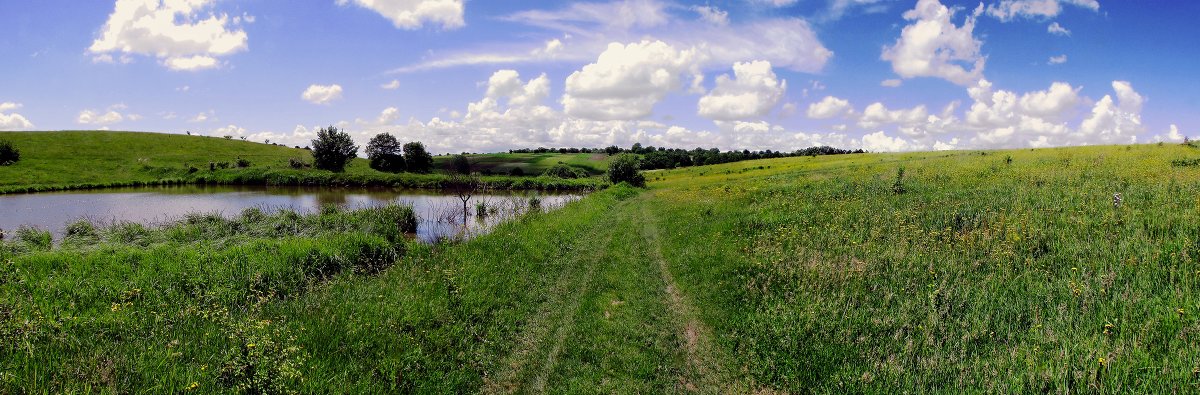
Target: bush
{"points": [[384, 153], [416, 158], [297, 163], [460, 164], [8, 153], [242, 163], [624, 168], [563, 171], [517, 172], [333, 149]]}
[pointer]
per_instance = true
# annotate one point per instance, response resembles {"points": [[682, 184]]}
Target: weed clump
{"points": [[898, 185], [34, 238]]}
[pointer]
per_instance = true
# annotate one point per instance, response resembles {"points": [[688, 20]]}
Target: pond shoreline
{"points": [[332, 180]]}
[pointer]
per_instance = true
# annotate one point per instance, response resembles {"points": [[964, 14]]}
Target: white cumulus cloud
{"points": [[829, 107], [322, 94], [176, 32], [11, 120], [933, 46], [1060, 59], [626, 81], [752, 92], [413, 14]]}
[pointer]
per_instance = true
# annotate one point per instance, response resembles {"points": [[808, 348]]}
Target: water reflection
{"points": [[442, 216]]}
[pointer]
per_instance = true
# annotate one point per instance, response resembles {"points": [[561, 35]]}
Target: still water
{"points": [[441, 215]]}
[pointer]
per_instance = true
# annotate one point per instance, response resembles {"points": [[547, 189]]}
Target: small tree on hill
{"points": [[333, 149], [8, 153], [461, 164], [624, 168], [384, 152], [416, 158]]}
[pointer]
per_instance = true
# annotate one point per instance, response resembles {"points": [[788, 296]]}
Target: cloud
{"points": [[1060, 59], [587, 29], [712, 15], [413, 14], [13, 121], [587, 18], [393, 85], [626, 81], [877, 114], [1058, 29], [93, 117], [231, 130], [322, 94], [752, 92], [881, 142], [932, 46], [1172, 136], [775, 3], [202, 117], [175, 32], [829, 107], [891, 83], [1008, 10]]}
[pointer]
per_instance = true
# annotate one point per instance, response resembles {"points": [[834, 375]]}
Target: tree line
{"points": [[333, 149]]}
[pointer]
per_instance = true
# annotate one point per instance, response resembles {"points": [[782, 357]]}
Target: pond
{"points": [[441, 214]]}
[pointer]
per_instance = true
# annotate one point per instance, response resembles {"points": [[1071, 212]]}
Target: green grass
{"points": [[797, 275], [531, 164], [96, 159]]}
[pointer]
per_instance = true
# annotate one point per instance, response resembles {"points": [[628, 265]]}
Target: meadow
{"points": [[97, 159], [1052, 270]]}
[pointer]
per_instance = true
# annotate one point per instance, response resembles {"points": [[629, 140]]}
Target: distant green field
{"points": [[531, 164], [73, 159]]}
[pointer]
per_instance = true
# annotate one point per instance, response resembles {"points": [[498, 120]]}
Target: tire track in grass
{"points": [[543, 337], [706, 370]]}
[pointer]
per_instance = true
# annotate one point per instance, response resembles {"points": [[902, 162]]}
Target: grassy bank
{"points": [[1000, 271], [94, 159]]}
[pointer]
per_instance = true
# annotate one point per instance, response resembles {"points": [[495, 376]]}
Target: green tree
{"points": [[8, 153], [384, 153], [624, 168], [416, 158], [461, 164], [333, 149]]}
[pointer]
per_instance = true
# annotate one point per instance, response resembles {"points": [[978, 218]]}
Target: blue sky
{"points": [[482, 76]]}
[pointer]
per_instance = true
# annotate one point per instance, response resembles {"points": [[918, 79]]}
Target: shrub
{"points": [[384, 153], [563, 171], [898, 185], [416, 159], [516, 172], [297, 163], [1186, 162], [624, 168], [8, 153], [242, 163], [333, 149], [460, 164]]}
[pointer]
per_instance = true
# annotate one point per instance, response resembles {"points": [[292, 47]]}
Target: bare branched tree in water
{"points": [[464, 186]]}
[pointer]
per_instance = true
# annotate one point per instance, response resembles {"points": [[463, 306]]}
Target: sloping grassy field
{"points": [[531, 164], [92, 159], [981, 272]]}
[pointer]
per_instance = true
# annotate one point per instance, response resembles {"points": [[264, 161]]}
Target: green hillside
{"points": [[69, 159], [530, 164]]}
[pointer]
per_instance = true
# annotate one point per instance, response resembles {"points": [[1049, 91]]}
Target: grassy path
{"points": [[615, 321], [706, 364]]}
